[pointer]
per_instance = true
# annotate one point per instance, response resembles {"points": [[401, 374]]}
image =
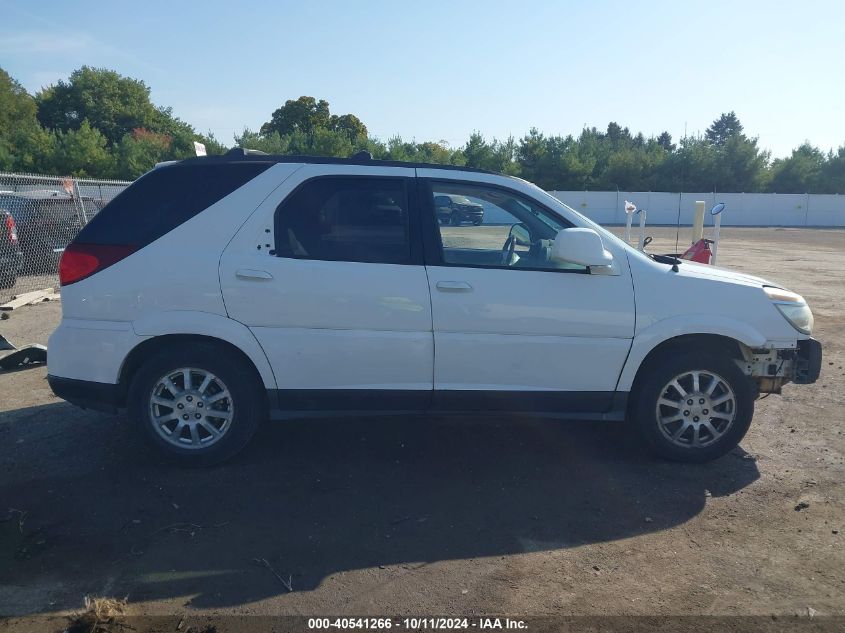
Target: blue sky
{"points": [[438, 70]]}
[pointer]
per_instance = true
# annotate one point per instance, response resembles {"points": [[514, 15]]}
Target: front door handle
{"points": [[453, 286], [252, 274]]}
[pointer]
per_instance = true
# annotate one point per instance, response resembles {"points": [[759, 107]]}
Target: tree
{"points": [[665, 141], [303, 115], [82, 152], [113, 104], [139, 151], [348, 124], [617, 135], [832, 177], [799, 173], [725, 127], [24, 145]]}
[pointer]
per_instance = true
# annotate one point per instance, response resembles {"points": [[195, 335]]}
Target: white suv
{"points": [[219, 291]]}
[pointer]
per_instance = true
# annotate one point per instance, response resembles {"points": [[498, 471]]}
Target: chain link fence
{"points": [[39, 216]]}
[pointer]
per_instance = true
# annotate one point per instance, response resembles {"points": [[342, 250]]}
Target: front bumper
{"points": [[87, 394], [808, 362]]}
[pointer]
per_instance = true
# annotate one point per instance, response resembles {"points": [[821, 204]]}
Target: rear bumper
{"points": [[87, 394], [808, 361]]}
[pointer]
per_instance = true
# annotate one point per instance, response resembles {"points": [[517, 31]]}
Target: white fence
{"points": [[742, 209]]}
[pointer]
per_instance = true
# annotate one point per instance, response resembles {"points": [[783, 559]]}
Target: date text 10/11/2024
{"points": [[417, 623]]}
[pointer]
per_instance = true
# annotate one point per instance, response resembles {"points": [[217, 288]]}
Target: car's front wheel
{"points": [[198, 404], [693, 406]]}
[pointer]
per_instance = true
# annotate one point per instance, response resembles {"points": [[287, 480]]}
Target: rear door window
{"points": [[354, 219], [163, 199]]}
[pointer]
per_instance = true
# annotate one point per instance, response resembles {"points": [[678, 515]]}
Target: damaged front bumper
{"points": [[773, 368]]}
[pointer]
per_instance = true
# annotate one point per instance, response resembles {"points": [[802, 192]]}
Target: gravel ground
{"points": [[437, 516]]}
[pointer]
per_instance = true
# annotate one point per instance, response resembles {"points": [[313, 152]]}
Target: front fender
{"points": [[682, 325], [211, 325]]}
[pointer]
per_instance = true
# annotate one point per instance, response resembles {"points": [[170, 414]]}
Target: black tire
{"points": [[248, 400], [650, 388], [455, 219]]}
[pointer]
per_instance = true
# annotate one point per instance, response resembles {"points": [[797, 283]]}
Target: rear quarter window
{"points": [[164, 198]]}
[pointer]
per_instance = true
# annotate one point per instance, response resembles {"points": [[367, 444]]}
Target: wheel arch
{"points": [[187, 327], [151, 346], [709, 342], [700, 332]]}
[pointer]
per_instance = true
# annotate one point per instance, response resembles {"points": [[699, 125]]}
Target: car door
{"points": [[328, 275], [513, 329]]}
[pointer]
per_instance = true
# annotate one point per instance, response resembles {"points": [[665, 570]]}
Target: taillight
{"points": [[83, 260], [11, 229]]}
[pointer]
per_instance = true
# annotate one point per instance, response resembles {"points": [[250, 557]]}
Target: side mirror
{"points": [[580, 246], [521, 235]]}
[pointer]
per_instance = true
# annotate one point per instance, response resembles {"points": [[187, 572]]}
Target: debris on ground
{"points": [[20, 514], [30, 298], [30, 355], [802, 505], [288, 584], [101, 615]]}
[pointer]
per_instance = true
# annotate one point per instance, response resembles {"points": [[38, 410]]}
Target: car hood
{"points": [[705, 271]]}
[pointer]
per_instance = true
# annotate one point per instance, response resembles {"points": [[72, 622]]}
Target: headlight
{"points": [[793, 308]]}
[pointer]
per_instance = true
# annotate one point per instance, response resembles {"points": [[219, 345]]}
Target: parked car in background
{"points": [[10, 252], [47, 220], [216, 292], [455, 209]]}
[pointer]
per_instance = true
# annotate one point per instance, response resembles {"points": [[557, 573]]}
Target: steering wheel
{"points": [[507, 250]]}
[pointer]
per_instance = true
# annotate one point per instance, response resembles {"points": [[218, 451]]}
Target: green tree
{"points": [[690, 168], [113, 104], [832, 177], [725, 127], [24, 144], [799, 173], [301, 115], [350, 125], [139, 151], [82, 152], [740, 166], [494, 156], [665, 141]]}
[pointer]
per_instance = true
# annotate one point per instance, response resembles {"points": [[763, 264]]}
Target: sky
{"points": [[438, 70]]}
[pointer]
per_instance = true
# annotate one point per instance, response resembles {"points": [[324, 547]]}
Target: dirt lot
{"points": [[438, 516]]}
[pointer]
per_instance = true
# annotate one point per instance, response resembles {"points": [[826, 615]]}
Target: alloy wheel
{"points": [[696, 408], [191, 408]]}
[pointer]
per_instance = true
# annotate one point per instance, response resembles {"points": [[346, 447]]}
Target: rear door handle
{"points": [[453, 286], [255, 275]]}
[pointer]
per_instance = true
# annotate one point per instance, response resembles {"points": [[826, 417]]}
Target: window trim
{"points": [[432, 240], [409, 186]]}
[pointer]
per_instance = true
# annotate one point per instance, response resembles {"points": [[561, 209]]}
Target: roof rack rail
{"points": [[363, 157], [243, 151]]}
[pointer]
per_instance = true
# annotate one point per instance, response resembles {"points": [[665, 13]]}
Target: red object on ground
{"points": [[699, 252]]}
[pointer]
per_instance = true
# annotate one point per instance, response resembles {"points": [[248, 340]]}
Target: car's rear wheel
{"points": [[693, 406], [199, 404]]}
